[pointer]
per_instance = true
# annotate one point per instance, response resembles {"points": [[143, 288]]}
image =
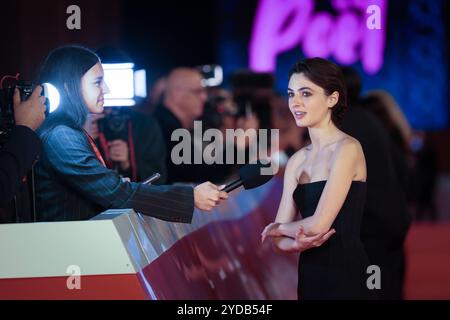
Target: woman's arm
{"points": [[347, 159], [289, 235], [343, 169], [287, 210], [301, 242], [288, 229]]}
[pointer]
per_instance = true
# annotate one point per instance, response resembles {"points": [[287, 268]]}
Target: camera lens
{"points": [[25, 89]]}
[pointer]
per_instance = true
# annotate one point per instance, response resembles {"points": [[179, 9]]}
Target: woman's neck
{"points": [[324, 135]]}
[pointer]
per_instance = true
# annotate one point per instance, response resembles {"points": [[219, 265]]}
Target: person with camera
{"points": [[72, 180], [23, 145], [130, 143]]}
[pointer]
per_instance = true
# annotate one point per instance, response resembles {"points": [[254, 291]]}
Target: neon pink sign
{"points": [[356, 33]]}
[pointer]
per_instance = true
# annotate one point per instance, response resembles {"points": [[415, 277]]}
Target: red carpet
{"points": [[428, 261]]}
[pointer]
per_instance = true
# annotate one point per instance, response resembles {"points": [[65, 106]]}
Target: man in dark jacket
{"points": [[183, 103], [22, 147], [131, 143], [386, 219]]}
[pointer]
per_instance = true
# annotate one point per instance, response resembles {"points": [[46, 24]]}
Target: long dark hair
{"points": [[328, 76], [64, 67]]}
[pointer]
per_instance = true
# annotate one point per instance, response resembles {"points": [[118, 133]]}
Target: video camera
{"points": [[25, 88], [115, 125]]}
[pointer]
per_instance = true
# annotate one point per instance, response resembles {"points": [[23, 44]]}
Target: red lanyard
{"points": [[95, 149], [105, 149], [132, 152]]}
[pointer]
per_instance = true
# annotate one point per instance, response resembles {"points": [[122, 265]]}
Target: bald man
{"points": [[185, 96], [183, 103]]}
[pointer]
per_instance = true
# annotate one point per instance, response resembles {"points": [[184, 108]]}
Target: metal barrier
{"points": [[121, 254]]}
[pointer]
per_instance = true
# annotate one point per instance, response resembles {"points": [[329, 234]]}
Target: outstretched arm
{"points": [[348, 156], [347, 161], [301, 242], [286, 234]]}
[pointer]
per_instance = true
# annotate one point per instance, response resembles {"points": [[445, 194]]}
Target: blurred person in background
{"points": [[224, 113], [130, 143], [183, 102], [399, 132], [386, 219], [395, 117]]}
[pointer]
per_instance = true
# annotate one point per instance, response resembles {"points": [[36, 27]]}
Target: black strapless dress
{"points": [[337, 269]]}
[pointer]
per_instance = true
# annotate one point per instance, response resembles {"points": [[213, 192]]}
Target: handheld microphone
{"points": [[152, 178], [250, 177]]}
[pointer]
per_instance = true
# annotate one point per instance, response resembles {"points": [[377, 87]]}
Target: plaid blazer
{"points": [[72, 184]]}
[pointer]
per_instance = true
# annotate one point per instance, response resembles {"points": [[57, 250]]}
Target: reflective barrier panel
{"points": [[121, 254]]}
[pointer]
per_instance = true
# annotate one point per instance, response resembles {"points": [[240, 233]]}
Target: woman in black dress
{"points": [[325, 182]]}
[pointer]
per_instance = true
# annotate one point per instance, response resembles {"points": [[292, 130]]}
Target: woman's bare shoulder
{"points": [[297, 158], [349, 144], [350, 151]]}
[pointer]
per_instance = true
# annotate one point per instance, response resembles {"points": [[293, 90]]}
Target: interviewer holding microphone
{"points": [[72, 181]]}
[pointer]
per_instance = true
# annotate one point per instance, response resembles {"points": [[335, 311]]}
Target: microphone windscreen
{"points": [[252, 177]]}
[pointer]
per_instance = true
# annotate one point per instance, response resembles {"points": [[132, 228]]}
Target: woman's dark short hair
{"points": [[328, 76], [64, 67]]}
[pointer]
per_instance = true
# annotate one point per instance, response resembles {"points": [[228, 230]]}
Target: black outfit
{"points": [[386, 219], [186, 172], [337, 269], [16, 158], [150, 149]]}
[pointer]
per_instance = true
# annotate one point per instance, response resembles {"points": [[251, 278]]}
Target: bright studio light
{"points": [[124, 83], [52, 96], [140, 83], [119, 77]]}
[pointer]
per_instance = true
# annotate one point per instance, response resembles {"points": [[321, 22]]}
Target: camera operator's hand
{"points": [[30, 113], [118, 152], [208, 195], [91, 125]]}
